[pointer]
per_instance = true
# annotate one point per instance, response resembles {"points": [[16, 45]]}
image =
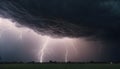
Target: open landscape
{"points": [[59, 34], [60, 66]]}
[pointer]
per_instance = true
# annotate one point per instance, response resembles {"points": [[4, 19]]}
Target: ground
{"points": [[59, 66]]}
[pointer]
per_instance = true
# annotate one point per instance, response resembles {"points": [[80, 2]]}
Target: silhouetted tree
{"points": [[91, 62], [32, 62], [50, 61]]}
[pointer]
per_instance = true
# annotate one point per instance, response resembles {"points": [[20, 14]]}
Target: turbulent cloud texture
{"points": [[23, 44], [74, 18], [96, 19]]}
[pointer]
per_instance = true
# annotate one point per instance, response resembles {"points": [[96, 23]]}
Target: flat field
{"points": [[59, 66]]}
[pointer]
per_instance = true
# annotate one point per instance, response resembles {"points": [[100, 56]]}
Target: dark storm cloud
{"points": [[74, 18]]}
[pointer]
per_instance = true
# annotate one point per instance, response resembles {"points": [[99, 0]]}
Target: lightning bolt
{"points": [[67, 49], [67, 41], [66, 54], [43, 49]]}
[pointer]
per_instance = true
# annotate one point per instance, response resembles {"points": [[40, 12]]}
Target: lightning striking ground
{"points": [[50, 42], [68, 43], [66, 54], [43, 49], [67, 50]]}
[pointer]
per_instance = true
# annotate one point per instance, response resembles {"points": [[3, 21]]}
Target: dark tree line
{"points": [[55, 62]]}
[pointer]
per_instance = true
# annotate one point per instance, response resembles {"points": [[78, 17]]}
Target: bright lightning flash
{"points": [[43, 49], [66, 54], [68, 42]]}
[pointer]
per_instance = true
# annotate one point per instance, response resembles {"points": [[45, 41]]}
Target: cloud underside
{"points": [[71, 18]]}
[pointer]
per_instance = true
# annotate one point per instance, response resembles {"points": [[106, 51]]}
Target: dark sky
{"points": [[92, 19]]}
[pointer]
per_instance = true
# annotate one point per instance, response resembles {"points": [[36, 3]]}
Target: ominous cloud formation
{"points": [[97, 19], [23, 44], [74, 18]]}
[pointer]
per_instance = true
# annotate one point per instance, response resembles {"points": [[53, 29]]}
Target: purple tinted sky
{"points": [[23, 44]]}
